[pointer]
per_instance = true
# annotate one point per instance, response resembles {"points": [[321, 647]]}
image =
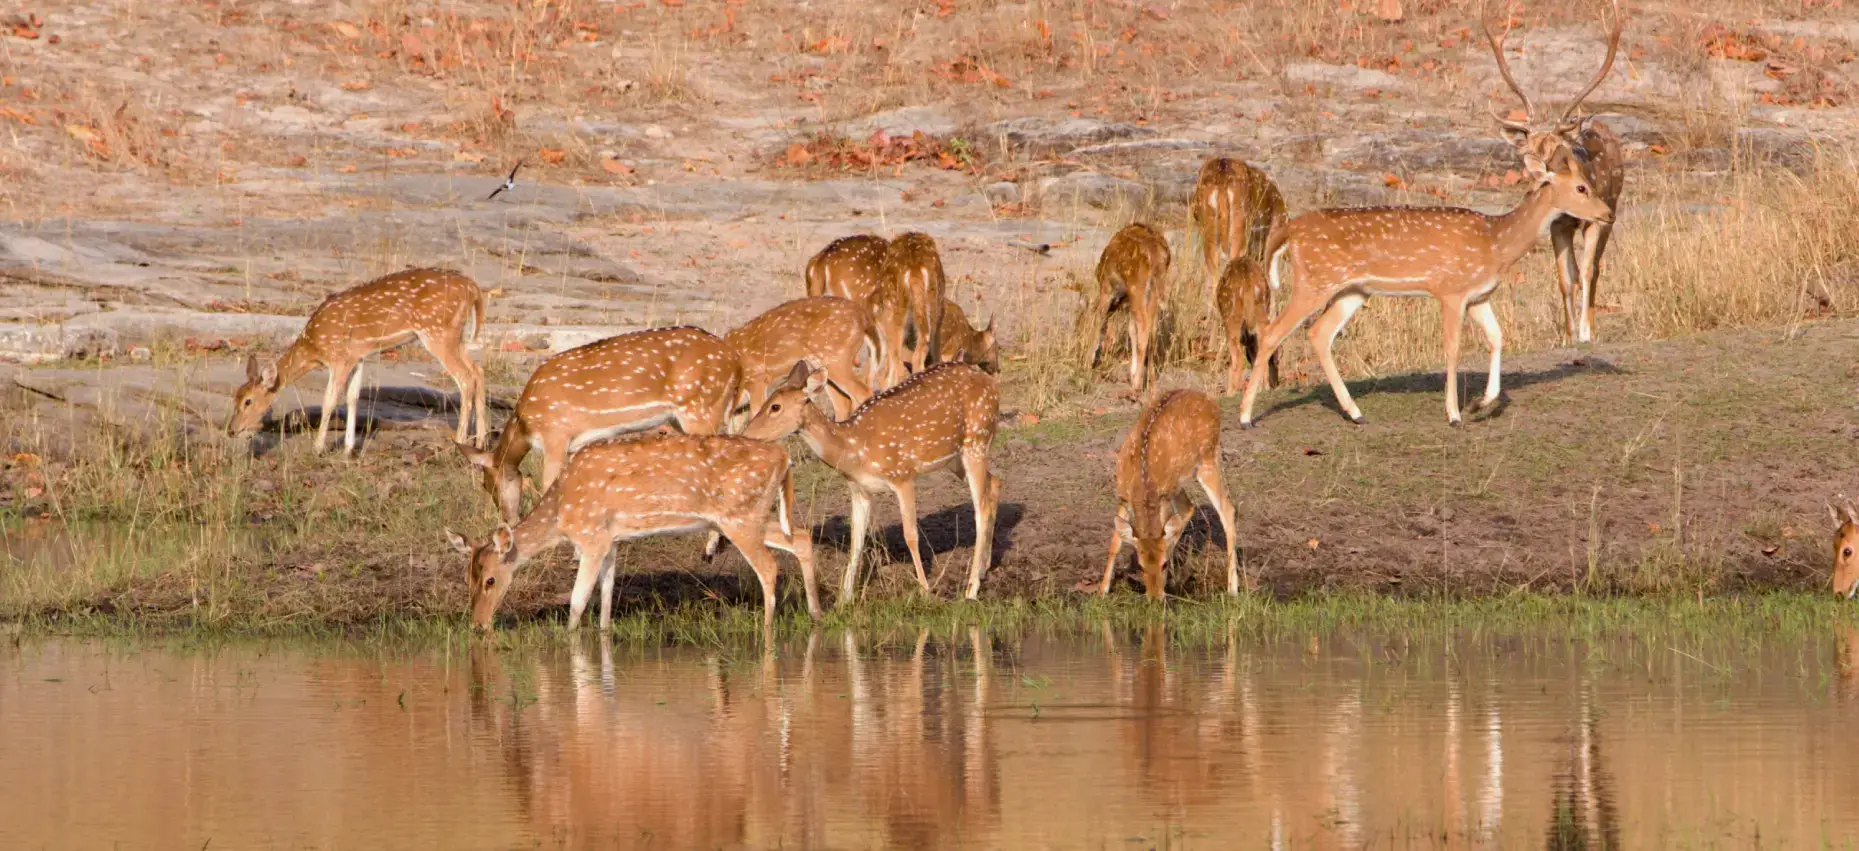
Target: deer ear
{"points": [[815, 382], [479, 458], [269, 376], [251, 367], [503, 540], [458, 542], [797, 376]]}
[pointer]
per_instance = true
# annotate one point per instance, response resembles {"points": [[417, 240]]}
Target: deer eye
{"points": [[1582, 188], [247, 403], [1848, 552], [490, 581], [774, 409]]}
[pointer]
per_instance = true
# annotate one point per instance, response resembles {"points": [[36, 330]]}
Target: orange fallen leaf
{"points": [[615, 167], [552, 156], [82, 133], [797, 155], [1392, 180], [357, 86], [16, 115], [1313, 543]]}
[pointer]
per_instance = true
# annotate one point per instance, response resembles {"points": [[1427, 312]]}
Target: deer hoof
{"points": [[1248, 424], [1454, 422], [1357, 419]]}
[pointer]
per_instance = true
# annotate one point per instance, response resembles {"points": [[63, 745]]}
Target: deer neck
{"points": [[1513, 234], [825, 437], [296, 362], [539, 529]]}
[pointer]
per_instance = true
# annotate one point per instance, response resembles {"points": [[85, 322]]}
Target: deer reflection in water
{"points": [[1583, 815]]}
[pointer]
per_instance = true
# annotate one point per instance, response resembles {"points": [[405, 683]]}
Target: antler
{"points": [[1497, 50], [1613, 45]]}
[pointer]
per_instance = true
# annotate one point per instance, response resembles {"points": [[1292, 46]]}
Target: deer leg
{"points": [[1298, 308], [1139, 346], [984, 490], [1107, 301], [1323, 335], [1215, 485], [332, 394], [449, 351], [861, 527], [1487, 320], [1562, 234], [348, 421], [906, 491], [1110, 564], [1452, 320], [1598, 236], [606, 592], [584, 578], [748, 541], [784, 533]]}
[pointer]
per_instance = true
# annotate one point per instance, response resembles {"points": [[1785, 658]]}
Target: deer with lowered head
{"points": [[627, 383], [1175, 440], [669, 484], [944, 416], [1235, 208], [430, 305], [1578, 242], [1243, 300], [961, 343], [1845, 549], [1338, 258], [848, 268], [1132, 272], [908, 305]]}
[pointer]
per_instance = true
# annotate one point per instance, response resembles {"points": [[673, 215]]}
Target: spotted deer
{"points": [[908, 305], [669, 484], [945, 415], [1235, 208], [1578, 242], [826, 332], [1338, 258], [430, 305], [1132, 272], [1244, 300], [1845, 540], [631, 382], [1175, 439], [962, 343], [848, 268]]}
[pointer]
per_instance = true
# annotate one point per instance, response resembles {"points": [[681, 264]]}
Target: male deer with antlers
{"points": [[827, 332], [1578, 243], [1132, 272], [431, 305], [944, 415], [629, 489], [631, 382], [1339, 258], [1176, 439], [908, 306]]}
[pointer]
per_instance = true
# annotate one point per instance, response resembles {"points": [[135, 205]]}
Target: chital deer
{"points": [[1244, 301], [1845, 541], [1235, 208], [1338, 258], [431, 305], [1578, 242], [631, 382], [824, 331], [945, 414], [848, 268], [625, 489], [961, 343], [1175, 439], [1132, 272], [908, 305]]}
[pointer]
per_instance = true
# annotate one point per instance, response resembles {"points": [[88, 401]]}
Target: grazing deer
{"points": [[1132, 272], [1578, 242], [431, 305], [908, 305], [1341, 257], [824, 331], [961, 343], [1235, 208], [631, 382], [947, 413], [620, 490], [848, 268], [1175, 439], [1244, 301], [1845, 539]]}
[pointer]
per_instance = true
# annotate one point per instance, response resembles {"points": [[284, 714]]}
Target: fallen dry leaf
{"points": [[611, 166], [357, 86], [347, 29], [552, 156], [467, 157], [1313, 543]]}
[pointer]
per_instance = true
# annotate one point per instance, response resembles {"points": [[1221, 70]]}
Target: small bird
{"points": [[509, 183]]}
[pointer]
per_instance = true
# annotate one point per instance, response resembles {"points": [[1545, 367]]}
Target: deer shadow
{"points": [[378, 406], [951, 528], [1471, 384]]}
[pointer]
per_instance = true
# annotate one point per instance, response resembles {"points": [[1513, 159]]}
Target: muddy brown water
{"points": [[1112, 739]]}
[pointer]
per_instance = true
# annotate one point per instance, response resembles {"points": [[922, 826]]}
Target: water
{"points": [[1095, 739]]}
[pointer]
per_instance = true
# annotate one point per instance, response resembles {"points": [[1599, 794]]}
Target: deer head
{"points": [[253, 398], [489, 572], [1549, 154], [782, 414], [1845, 549]]}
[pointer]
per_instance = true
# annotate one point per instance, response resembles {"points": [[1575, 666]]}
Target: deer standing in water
{"points": [[848, 268], [1338, 258], [1244, 301], [1175, 439], [908, 305], [631, 382], [1845, 543], [1235, 209], [431, 305], [1132, 272], [961, 343], [945, 415], [1578, 242], [825, 331], [629, 489]]}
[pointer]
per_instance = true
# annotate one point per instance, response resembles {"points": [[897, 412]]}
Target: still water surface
{"points": [[1096, 739]]}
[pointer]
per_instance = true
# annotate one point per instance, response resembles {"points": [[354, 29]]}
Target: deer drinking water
{"points": [[631, 382], [1175, 439], [1132, 272], [829, 333], [1845, 544], [621, 490], [944, 415], [431, 305]]}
